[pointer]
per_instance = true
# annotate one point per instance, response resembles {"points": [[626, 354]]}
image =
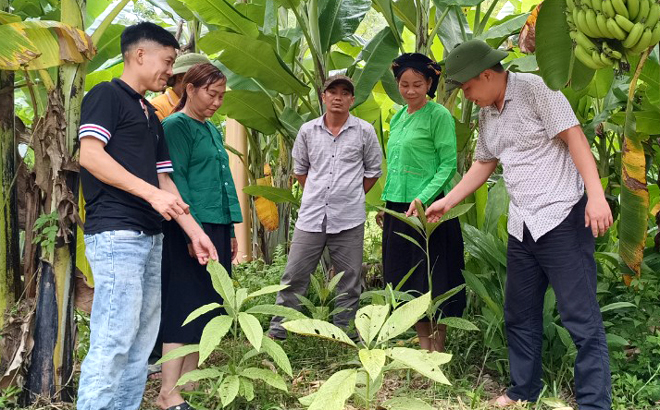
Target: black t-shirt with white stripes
{"points": [[116, 114]]}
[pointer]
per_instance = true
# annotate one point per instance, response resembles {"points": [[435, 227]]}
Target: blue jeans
{"points": [[125, 318]]}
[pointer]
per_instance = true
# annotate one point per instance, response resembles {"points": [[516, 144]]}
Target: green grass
{"points": [[478, 373]]}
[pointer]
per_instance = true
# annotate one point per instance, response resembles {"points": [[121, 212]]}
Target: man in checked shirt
{"points": [[547, 164], [337, 161]]}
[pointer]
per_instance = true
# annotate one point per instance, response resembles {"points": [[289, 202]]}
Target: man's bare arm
{"points": [[95, 159], [598, 214], [369, 183], [301, 179]]}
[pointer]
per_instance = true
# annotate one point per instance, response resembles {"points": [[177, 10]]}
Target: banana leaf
{"points": [[554, 47]]}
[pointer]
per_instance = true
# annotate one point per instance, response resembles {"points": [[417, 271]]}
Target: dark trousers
{"points": [[564, 257], [346, 252]]}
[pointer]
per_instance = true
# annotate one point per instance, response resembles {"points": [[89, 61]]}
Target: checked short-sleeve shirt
{"points": [[539, 173], [335, 169]]}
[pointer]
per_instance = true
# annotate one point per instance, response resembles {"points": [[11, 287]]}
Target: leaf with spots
{"points": [[318, 328], [229, 389], [369, 320]]}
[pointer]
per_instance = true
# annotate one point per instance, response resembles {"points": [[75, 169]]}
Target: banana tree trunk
{"points": [[51, 369], [10, 279]]}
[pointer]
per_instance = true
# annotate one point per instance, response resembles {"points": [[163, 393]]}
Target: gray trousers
{"points": [[346, 251]]}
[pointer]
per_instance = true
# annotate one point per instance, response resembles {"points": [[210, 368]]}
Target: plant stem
{"points": [[477, 17], [438, 23], [47, 80], [459, 13], [429, 272], [655, 374], [484, 21], [368, 395], [314, 51], [35, 106], [305, 71]]}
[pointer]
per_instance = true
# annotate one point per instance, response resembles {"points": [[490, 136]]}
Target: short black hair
{"points": [[498, 68], [146, 31], [171, 82]]}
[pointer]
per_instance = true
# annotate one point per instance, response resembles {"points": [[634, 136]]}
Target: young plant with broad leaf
{"points": [[425, 229], [361, 379], [236, 376], [325, 291]]}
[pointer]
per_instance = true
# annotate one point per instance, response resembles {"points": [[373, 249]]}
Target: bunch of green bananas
{"points": [[605, 30]]}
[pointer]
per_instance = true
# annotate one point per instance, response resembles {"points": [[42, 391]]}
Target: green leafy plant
{"points": [[632, 321], [9, 396], [45, 229], [324, 290], [425, 229], [236, 377], [377, 326]]}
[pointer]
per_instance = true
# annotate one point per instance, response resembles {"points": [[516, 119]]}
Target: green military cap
{"points": [[468, 60], [185, 61]]}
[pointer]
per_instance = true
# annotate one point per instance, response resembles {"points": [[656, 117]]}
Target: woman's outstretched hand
{"points": [[412, 209], [437, 210]]}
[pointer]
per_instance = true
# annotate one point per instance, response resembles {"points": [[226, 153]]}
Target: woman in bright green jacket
{"points": [[421, 162]]}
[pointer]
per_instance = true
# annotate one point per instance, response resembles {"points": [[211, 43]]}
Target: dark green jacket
{"points": [[201, 170]]}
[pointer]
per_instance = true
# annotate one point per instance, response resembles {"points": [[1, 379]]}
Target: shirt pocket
{"points": [[415, 178], [351, 153]]}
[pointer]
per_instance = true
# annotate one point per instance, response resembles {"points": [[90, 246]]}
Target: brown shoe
{"points": [[503, 401]]}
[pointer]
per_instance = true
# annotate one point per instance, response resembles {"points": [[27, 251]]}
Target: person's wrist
{"points": [[196, 234], [595, 191], [151, 193], [452, 201]]}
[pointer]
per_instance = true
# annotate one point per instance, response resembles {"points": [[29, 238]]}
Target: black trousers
{"points": [[563, 257]]}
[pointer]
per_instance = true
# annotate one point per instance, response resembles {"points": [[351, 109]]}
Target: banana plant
{"points": [[633, 225], [57, 51], [377, 326], [570, 51], [236, 377], [10, 282]]}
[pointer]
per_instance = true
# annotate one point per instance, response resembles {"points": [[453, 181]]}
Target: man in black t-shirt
{"points": [[128, 192]]}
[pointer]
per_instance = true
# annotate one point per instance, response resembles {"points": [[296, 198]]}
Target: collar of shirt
{"points": [[172, 97], [351, 121], [509, 93], [130, 91], [147, 109]]}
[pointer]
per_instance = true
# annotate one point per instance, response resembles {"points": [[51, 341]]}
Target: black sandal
{"points": [[182, 406]]}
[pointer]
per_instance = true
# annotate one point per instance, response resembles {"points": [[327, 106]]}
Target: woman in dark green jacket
{"points": [[201, 173], [421, 162]]}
